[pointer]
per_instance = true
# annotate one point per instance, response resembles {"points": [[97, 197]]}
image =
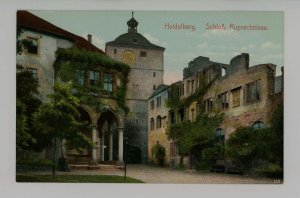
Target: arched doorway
{"points": [[109, 136], [84, 155]]}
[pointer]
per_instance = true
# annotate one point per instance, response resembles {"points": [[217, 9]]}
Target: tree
{"points": [[26, 104], [58, 119], [242, 145], [158, 153]]}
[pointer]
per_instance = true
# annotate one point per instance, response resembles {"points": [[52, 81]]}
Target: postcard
{"points": [[176, 97]]}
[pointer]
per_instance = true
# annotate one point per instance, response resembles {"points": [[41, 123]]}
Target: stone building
{"points": [[158, 120], [245, 94], [41, 58], [146, 74]]}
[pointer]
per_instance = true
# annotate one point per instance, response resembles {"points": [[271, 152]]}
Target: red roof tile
{"points": [[27, 20]]}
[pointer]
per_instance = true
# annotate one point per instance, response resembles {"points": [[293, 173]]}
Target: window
{"points": [[181, 90], [220, 135], [181, 114], [152, 124], [188, 87], [208, 105], [198, 106], [115, 51], [193, 86], [33, 46], [223, 72], [94, 77], [236, 97], [253, 91], [143, 54], [158, 101], [208, 75], [158, 122], [172, 117], [154, 87], [224, 101], [154, 74], [80, 77], [152, 104], [33, 73], [258, 125], [108, 82]]}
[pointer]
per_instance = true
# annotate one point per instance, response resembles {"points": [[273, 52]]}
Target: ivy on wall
{"points": [[200, 133], [71, 60]]}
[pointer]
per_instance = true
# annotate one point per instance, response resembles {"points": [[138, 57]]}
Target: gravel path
{"points": [[151, 174]]}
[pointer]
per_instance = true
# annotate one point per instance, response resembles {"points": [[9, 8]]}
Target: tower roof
{"points": [[133, 39]]}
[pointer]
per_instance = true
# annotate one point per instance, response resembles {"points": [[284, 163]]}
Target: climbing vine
{"points": [[69, 62], [199, 134]]}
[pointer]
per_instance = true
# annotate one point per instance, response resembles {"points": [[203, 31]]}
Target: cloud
{"points": [[154, 40], [97, 40], [248, 47], [269, 45]]}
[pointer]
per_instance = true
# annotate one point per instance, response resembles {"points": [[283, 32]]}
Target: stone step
{"points": [[95, 167]]}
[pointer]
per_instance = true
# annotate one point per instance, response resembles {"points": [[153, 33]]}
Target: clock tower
{"points": [[146, 74]]}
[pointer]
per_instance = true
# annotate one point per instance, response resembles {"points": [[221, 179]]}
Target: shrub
{"points": [[159, 153], [272, 171]]}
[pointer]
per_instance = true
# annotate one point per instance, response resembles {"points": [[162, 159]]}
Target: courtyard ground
{"points": [[150, 174]]}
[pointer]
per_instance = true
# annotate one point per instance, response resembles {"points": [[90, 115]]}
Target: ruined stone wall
{"points": [[246, 113]]}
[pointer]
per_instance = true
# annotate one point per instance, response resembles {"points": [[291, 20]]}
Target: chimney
{"points": [[89, 38]]}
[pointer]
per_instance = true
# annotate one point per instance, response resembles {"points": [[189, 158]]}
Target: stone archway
{"points": [[107, 135], [85, 156]]}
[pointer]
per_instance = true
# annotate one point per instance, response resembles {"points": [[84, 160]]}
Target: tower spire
{"points": [[132, 24]]}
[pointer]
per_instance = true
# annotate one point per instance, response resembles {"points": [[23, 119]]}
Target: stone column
{"points": [[102, 148], [95, 144], [111, 146], [120, 152]]}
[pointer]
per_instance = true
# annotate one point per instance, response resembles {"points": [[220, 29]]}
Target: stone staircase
{"points": [[102, 167]]}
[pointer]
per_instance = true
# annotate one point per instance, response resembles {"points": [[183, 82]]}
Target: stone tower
{"points": [[147, 69]]}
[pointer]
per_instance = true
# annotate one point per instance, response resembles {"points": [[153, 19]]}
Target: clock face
{"points": [[128, 57]]}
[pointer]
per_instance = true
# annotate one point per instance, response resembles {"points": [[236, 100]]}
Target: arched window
{"points": [[258, 125], [152, 124], [158, 122], [220, 135]]}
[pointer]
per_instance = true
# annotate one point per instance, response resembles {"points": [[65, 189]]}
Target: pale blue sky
{"points": [[184, 45]]}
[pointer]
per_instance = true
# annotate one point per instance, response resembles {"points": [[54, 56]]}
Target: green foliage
{"points": [[26, 104], [70, 61], [58, 117], [242, 145], [158, 153], [195, 135], [248, 145], [175, 101], [21, 43], [77, 179], [272, 171]]}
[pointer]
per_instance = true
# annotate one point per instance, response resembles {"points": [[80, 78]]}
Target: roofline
{"points": [[168, 86], [112, 43]]}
